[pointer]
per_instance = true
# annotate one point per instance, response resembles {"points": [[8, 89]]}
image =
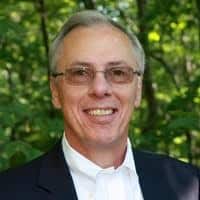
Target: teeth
{"points": [[100, 112]]}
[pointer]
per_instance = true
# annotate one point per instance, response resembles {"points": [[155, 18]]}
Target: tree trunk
{"points": [[149, 92], [89, 4], [198, 15], [42, 11], [189, 146]]}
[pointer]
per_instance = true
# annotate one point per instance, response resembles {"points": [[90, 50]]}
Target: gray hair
{"points": [[89, 18]]}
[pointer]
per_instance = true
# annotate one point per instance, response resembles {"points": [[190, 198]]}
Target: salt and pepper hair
{"points": [[90, 18]]}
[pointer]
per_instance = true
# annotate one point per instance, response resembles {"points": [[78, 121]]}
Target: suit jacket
{"points": [[48, 178]]}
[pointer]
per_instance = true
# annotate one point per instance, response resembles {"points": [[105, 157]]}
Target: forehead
{"points": [[96, 44], [99, 27], [99, 33]]}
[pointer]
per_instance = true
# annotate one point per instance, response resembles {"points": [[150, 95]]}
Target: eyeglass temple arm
{"points": [[139, 73], [57, 74]]}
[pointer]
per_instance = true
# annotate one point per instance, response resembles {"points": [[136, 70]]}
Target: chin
{"points": [[107, 140]]}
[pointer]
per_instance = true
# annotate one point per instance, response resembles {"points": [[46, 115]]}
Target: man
{"points": [[96, 82]]}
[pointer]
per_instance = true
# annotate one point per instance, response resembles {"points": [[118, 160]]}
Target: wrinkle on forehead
{"points": [[108, 42]]}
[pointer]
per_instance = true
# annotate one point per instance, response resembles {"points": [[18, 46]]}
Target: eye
{"points": [[78, 75], [119, 72], [119, 75], [79, 71]]}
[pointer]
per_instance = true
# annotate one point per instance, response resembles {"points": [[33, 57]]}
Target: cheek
{"points": [[69, 109], [71, 99], [69, 102], [127, 101], [126, 96], [133, 95]]}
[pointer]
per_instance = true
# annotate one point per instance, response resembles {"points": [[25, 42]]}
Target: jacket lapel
{"points": [[156, 177], [153, 177], [54, 176]]}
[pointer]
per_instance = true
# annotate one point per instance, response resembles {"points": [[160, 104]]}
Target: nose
{"points": [[100, 87]]}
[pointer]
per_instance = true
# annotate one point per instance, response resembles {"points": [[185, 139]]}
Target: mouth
{"points": [[100, 111], [102, 115]]}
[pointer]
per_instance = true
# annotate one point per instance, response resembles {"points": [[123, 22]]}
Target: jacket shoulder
{"points": [[24, 177], [165, 163]]}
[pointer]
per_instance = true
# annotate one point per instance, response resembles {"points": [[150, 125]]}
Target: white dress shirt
{"points": [[95, 183]]}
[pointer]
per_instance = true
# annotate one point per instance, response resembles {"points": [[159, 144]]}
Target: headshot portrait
{"points": [[98, 126]]}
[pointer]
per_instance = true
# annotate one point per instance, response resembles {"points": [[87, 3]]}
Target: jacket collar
{"points": [[157, 179], [55, 179], [154, 177], [148, 182], [54, 176]]}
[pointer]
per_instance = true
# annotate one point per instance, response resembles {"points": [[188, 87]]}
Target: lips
{"points": [[101, 115]]}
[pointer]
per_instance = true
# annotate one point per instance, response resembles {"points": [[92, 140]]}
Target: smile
{"points": [[100, 112]]}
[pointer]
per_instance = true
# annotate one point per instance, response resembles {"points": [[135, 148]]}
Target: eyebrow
{"points": [[80, 63], [109, 64], [115, 63]]}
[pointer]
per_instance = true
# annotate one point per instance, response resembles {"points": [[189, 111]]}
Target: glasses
{"points": [[85, 75]]}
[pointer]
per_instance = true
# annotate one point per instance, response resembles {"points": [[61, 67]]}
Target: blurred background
{"points": [[168, 120]]}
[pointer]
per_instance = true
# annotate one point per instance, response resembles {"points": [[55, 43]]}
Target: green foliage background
{"points": [[169, 118]]}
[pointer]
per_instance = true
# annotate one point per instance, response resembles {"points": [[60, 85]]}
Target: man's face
{"points": [[96, 115]]}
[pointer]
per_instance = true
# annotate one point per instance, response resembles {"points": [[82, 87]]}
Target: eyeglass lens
{"points": [[85, 75]]}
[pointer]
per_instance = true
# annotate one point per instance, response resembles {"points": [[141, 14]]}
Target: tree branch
{"points": [[198, 15], [42, 11], [167, 68], [148, 86]]}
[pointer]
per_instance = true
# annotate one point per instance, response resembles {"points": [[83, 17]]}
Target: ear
{"points": [[55, 97], [138, 93]]}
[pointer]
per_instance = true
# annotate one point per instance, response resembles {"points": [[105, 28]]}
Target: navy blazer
{"points": [[48, 178]]}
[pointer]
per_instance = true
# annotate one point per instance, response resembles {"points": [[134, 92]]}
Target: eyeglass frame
{"points": [[56, 74]]}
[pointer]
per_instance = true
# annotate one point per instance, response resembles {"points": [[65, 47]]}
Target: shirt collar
{"points": [[81, 165]]}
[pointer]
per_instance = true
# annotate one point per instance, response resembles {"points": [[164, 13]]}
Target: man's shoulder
{"points": [[27, 173], [21, 178], [38, 178], [164, 164], [19, 182], [29, 168]]}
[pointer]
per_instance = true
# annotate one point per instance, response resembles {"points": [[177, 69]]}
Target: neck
{"points": [[109, 155]]}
